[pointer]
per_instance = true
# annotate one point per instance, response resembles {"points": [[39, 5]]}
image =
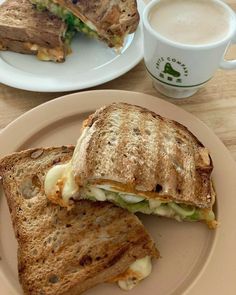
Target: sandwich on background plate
{"points": [[64, 251], [25, 30], [140, 161], [109, 21]]}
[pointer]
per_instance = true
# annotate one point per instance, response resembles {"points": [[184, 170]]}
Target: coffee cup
{"points": [[185, 42]]}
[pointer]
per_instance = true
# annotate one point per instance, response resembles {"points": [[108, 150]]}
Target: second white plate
{"points": [[91, 63]]}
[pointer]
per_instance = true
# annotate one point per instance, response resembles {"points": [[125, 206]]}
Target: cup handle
{"points": [[229, 64]]}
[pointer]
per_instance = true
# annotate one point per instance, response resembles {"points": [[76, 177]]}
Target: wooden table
{"points": [[215, 104]]}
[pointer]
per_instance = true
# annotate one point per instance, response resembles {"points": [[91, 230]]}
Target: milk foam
{"points": [[192, 22]]}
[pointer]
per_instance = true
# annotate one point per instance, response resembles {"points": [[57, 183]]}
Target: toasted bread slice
{"points": [[110, 20], [25, 30], [131, 150], [61, 251]]}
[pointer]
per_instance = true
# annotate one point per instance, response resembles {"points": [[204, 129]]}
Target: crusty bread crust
{"points": [[22, 23], [135, 149], [15, 46], [111, 17], [61, 251]]}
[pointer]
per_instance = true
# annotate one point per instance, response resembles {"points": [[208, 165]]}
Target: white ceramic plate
{"points": [[91, 63], [195, 260]]}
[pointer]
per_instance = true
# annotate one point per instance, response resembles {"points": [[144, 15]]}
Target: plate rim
{"points": [[68, 100]]}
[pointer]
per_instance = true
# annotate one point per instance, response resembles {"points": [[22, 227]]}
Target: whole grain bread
{"points": [[136, 150], [21, 24], [61, 251], [111, 18]]}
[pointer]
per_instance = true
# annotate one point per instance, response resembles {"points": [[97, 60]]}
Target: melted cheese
{"points": [[131, 199], [97, 193], [43, 53], [100, 193], [128, 198], [137, 271], [2, 47], [60, 184]]}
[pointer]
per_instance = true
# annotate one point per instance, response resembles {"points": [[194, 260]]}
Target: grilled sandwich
{"points": [[25, 30], [67, 252], [140, 161], [107, 20]]}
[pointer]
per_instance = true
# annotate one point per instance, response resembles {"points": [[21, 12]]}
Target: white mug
{"points": [[179, 70]]}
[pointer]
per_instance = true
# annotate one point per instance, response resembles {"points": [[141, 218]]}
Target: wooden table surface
{"points": [[215, 104]]}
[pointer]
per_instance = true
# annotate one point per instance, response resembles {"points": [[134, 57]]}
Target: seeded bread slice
{"points": [[61, 251]]}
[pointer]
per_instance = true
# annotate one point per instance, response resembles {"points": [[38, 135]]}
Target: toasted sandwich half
{"points": [[25, 30], [143, 162], [64, 251], [110, 21]]}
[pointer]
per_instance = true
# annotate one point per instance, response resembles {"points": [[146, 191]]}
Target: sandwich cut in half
{"points": [[107, 20], [143, 162], [25, 30], [64, 251]]}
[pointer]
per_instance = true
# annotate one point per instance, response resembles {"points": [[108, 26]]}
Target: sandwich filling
{"points": [[55, 54], [138, 203], [138, 270], [46, 54], [72, 21], [63, 13], [61, 187]]}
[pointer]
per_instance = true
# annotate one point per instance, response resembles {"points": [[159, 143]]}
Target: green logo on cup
{"points": [[171, 69]]}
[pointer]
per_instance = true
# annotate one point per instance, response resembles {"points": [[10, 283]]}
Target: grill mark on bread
{"points": [[188, 183], [152, 135], [140, 144], [123, 165], [109, 146], [178, 162], [159, 159], [118, 256], [167, 172]]}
